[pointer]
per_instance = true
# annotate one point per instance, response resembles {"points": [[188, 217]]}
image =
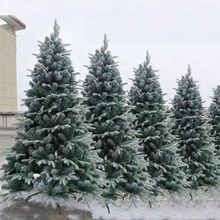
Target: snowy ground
{"points": [[205, 206], [165, 210], [200, 209]]}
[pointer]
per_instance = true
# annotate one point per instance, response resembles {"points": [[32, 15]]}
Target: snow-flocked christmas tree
{"points": [[116, 142], [151, 122], [194, 142], [214, 116], [53, 157]]}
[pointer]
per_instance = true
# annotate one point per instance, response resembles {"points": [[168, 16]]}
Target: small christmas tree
{"points": [[114, 138], [53, 156], [214, 115], [151, 121], [195, 145]]}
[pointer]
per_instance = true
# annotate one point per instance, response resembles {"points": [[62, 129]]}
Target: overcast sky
{"points": [[175, 32]]}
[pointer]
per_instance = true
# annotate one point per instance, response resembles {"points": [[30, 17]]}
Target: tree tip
{"points": [[147, 57], [105, 42], [56, 28], [189, 69]]}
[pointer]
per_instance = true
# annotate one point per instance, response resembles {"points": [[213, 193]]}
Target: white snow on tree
{"points": [[114, 138], [214, 116], [151, 123], [194, 141]]}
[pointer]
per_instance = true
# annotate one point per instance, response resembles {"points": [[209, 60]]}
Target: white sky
{"points": [[175, 32]]}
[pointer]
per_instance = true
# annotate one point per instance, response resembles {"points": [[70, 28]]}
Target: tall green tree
{"points": [[53, 156], [114, 138], [214, 116], [151, 122], [195, 145]]}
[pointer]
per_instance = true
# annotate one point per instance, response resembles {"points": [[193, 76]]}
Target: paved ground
{"points": [[29, 211]]}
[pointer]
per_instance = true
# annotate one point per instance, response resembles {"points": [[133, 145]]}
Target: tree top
{"points": [[147, 57], [105, 43], [189, 70], [56, 29]]}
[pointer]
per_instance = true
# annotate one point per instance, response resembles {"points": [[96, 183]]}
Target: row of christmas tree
{"points": [[104, 145]]}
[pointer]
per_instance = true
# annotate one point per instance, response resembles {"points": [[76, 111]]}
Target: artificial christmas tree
{"points": [[151, 122], [113, 136], [53, 156], [214, 116], [194, 144]]}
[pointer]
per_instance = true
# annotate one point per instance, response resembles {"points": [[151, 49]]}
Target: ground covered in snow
{"points": [[205, 206]]}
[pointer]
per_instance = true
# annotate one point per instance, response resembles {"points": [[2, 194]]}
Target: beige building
{"points": [[8, 89]]}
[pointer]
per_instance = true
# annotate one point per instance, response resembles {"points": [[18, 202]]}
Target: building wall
{"points": [[8, 120], [8, 88]]}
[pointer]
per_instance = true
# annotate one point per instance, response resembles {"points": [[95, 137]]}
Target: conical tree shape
{"points": [[195, 145], [214, 115], [151, 121], [114, 138], [53, 155]]}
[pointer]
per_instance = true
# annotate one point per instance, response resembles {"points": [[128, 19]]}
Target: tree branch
{"points": [[107, 208], [119, 195], [191, 196], [59, 208], [150, 204], [160, 193], [34, 194], [124, 196], [80, 198], [74, 196]]}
